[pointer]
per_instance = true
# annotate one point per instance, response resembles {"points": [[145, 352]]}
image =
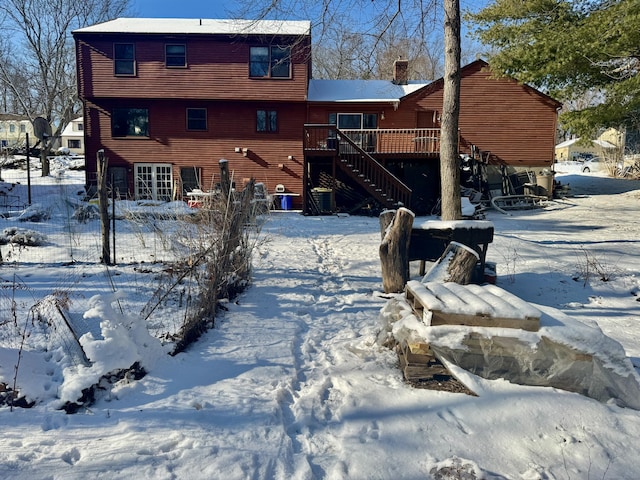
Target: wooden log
{"points": [[386, 219], [455, 265], [394, 252]]}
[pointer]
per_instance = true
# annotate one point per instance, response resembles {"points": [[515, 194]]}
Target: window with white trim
{"points": [[153, 181]]}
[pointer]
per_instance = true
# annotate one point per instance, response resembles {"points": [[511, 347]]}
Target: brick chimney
{"points": [[400, 71]]}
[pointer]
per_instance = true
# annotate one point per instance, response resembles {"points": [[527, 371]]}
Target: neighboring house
{"points": [[573, 149], [72, 136], [166, 99], [13, 130]]}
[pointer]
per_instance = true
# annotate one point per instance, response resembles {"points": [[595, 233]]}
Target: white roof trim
{"points": [[200, 26]]}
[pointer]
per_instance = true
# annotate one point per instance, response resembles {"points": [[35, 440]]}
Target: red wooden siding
{"points": [[515, 123], [230, 125], [217, 68]]}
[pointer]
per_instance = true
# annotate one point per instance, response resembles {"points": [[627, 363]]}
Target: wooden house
{"points": [[167, 99], [72, 137], [13, 130], [387, 141]]}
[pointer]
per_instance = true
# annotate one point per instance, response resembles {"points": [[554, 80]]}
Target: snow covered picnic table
{"points": [[429, 239]]}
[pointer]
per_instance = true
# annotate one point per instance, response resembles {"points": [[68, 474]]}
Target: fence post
{"points": [[225, 182], [103, 205]]}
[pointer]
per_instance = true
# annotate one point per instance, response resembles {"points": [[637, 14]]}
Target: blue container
{"points": [[286, 201]]}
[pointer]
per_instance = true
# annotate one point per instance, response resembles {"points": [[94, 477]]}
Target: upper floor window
{"points": [[267, 121], [130, 122], [196, 119], [80, 127], [175, 55], [274, 62], [23, 128], [12, 128], [124, 59]]}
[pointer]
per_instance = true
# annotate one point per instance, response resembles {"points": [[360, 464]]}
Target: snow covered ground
{"points": [[291, 384]]}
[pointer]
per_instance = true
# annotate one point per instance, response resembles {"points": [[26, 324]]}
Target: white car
{"points": [[594, 164]]}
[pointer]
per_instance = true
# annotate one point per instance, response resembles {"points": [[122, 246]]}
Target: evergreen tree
{"points": [[570, 49]]}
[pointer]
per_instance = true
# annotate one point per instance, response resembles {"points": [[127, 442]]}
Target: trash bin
{"points": [[322, 198], [545, 184], [286, 201]]}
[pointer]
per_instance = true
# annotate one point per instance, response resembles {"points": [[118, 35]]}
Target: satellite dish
{"points": [[41, 128]]}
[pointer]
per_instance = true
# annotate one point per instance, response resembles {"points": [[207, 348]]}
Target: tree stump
{"points": [[455, 265], [394, 251], [386, 218]]}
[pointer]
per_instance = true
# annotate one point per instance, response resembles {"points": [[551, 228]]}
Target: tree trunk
{"points": [[449, 154], [455, 265], [394, 252], [103, 205]]}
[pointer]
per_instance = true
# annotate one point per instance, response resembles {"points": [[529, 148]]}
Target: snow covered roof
{"points": [[360, 90], [604, 144], [69, 131], [598, 143], [197, 26]]}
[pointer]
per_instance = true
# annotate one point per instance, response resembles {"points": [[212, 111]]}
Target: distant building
{"points": [[573, 149], [13, 130], [73, 136]]}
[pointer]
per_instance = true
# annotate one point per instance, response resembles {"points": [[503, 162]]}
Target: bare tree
{"points": [[378, 23], [37, 61], [449, 157]]}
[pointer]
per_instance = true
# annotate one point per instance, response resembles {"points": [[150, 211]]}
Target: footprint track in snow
{"points": [[449, 416]]}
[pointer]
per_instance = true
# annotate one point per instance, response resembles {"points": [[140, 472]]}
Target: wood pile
{"points": [[422, 369], [450, 303]]}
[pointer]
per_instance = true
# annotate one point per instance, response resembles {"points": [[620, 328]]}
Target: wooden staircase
{"points": [[365, 170]]}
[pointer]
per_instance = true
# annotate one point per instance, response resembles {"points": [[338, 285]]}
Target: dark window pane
{"points": [[261, 119], [280, 62], [130, 122], [267, 121], [196, 118], [370, 120], [176, 55], [349, 120], [259, 66], [190, 177], [273, 121], [124, 59]]}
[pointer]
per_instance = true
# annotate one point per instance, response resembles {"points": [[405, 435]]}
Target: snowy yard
{"points": [[292, 384]]}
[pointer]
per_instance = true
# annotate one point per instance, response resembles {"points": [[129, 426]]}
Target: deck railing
{"points": [[376, 141], [372, 175]]}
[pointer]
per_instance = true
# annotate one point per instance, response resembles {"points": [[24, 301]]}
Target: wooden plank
{"points": [[445, 318]]}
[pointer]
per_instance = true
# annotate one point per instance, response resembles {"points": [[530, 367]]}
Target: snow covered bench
{"points": [[430, 239]]}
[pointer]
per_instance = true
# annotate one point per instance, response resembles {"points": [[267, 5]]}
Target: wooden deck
{"points": [[406, 142]]}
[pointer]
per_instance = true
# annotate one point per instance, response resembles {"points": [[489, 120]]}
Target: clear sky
{"points": [[219, 8], [181, 8]]}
